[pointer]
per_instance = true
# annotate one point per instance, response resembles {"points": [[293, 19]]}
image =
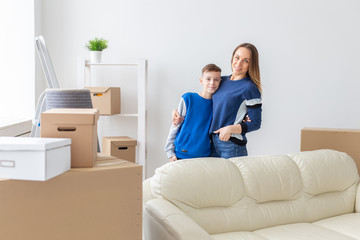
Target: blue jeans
{"points": [[226, 149]]}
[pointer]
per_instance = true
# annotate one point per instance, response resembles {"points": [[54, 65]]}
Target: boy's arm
{"points": [[170, 146]]}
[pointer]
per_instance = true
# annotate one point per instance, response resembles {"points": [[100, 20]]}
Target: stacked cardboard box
{"points": [[343, 140], [106, 99], [78, 124], [103, 202], [121, 147]]}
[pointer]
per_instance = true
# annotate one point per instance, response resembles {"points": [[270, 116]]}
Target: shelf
{"points": [[111, 64], [123, 115], [84, 79]]}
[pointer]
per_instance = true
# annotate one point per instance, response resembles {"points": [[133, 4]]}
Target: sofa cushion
{"points": [[347, 224], [342, 227], [199, 183], [270, 178], [301, 231], [244, 235], [327, 191], [320, 171]]}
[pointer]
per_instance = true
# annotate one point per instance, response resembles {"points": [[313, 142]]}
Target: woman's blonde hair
{"points": [[254, 70]]}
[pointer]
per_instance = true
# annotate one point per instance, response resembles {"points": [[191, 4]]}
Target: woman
{"points": [[239, 95]]}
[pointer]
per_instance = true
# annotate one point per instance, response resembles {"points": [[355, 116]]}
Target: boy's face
{"points": [[210, 81]]}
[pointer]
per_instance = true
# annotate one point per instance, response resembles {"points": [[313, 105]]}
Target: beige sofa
{"points": [[308, 195]]}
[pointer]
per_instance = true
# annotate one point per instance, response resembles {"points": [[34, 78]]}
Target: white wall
{"points": [[40, 83], [17, 61], [309, 53]]}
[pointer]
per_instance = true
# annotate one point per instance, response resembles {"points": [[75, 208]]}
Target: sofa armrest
{"points": [[146, 191], [357, 199], [164, 221]]}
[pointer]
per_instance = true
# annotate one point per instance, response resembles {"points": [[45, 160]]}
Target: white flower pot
{"points": [[95, 56]]}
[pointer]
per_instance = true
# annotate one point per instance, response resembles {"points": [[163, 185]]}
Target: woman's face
{"points": [[240, 63]]}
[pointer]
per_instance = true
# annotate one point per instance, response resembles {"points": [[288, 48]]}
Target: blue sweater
{"points": [[232, 102], [192, 139]]}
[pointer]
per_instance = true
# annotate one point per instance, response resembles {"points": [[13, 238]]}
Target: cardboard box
{"points": [[80, 125], [120, 147], [343, 140], [106, 99], [103, 158], [103, 202], [36, 159]]}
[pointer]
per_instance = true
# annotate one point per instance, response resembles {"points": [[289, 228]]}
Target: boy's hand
{"points": [[173, 158], [247, 119], [176, 118]]}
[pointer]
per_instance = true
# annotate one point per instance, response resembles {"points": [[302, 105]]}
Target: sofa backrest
{"points": [[249, 193], [330, 181]]}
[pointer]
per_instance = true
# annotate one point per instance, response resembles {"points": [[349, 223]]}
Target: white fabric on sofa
{"points": [[307, 195]]}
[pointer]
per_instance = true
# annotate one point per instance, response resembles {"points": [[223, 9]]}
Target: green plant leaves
{"points": [[97, 44]]}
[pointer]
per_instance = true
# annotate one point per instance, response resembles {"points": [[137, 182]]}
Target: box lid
{"points": [[342, 130], [122, 141], [104, 163], [98, 89], [72, 115], [34, 144]]}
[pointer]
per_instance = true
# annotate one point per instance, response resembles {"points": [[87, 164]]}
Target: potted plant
{"points": [[96, 46]]}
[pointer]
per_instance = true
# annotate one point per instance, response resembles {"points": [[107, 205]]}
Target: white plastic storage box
{"points": [[36, 159]]}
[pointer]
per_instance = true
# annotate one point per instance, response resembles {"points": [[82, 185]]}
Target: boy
{"points": [[190, 139]]}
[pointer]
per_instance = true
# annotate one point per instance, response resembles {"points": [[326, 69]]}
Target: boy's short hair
{"points": [[210, 68]]}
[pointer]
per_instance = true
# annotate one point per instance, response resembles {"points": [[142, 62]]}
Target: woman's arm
{"points": [[254, 113], [225, 132], [251, 124], [253, 104]]}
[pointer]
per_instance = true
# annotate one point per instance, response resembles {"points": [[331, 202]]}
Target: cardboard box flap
{"points": [[102, 90], [341, 130], [72, 116], [104, 157], [32, 144], [122, 141], [105, 165]]}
